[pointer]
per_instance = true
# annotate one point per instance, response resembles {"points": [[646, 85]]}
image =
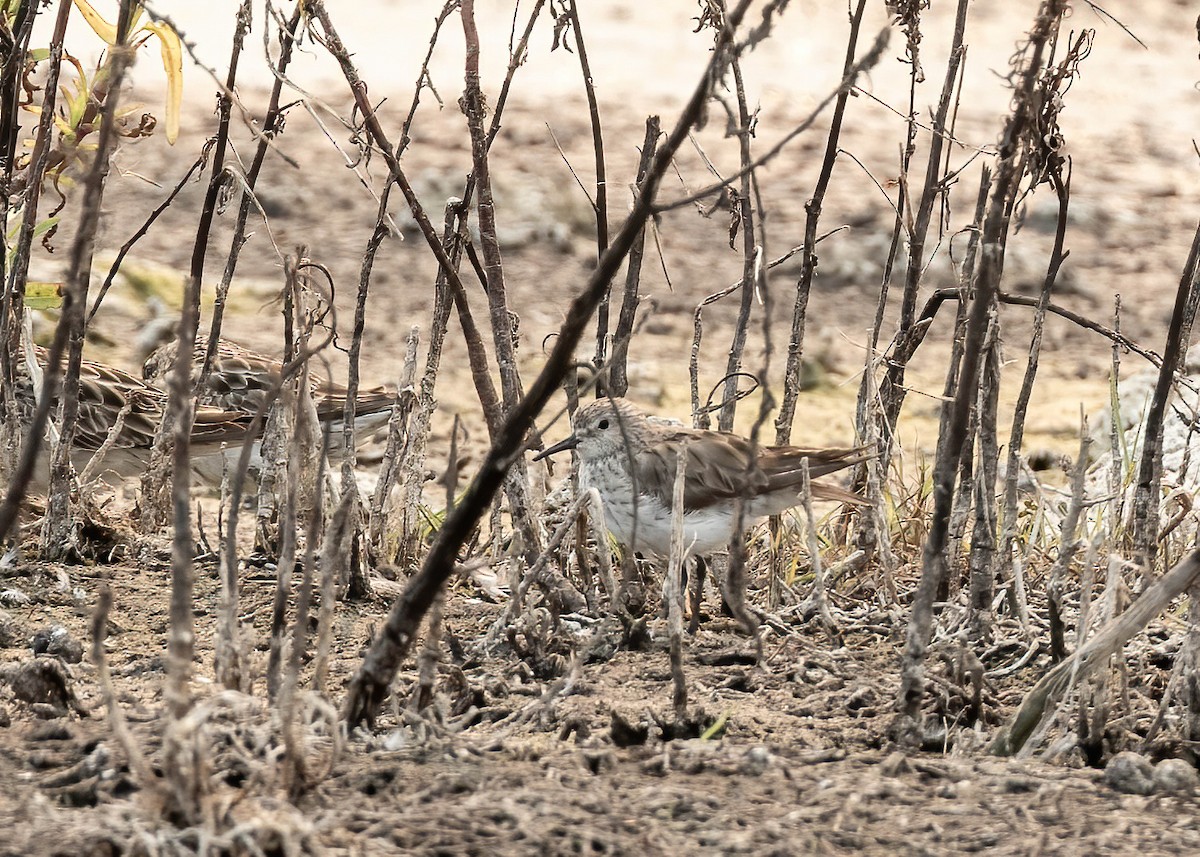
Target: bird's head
{"points": [[602, 429]]}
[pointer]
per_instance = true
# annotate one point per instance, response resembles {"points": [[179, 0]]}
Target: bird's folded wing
{"points": [[716, 469], [240, 383], [103, 393], [213, 425]]}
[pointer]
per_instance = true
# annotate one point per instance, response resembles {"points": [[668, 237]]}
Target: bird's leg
{"points": [[697, 594]]}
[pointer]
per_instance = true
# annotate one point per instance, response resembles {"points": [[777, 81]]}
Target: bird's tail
{"points": [[836, 494]]}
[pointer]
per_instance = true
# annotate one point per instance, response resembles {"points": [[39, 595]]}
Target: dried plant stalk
{"points": [[618, 375], [516, 486], [1068, 544], [142, 773], [289, 689], [390, 465], [431, 655], [981, 597], [174, 436], [412, 469], [600, 203], [1020, 124], [818, 600], [751, 251], [58, 541], [604, 555], [18, 459], [333, 552], [892, 389], [808, 263], [960, 512], [912, 339], [287, 550], [556, 587], [92, 468], [981, 561], [477, 356], [673, 586], [501, 320], [272, 127], [1116, 432], [874, 538], [1145, 520], [228, 670]]}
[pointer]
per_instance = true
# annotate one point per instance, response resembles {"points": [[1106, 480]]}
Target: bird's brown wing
{"points": [[214, 426], [239, 380], [716, 468], [103, 393], [717, 471]]}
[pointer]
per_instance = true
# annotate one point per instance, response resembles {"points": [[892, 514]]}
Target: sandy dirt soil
{"points": [[527, 753]]}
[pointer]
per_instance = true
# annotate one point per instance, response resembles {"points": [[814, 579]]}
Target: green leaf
{"points": [[717, 729], [43, 295]]}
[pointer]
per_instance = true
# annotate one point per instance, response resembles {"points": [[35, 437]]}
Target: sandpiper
{"points": [[630, 458], [104, 392], [240, 379]]}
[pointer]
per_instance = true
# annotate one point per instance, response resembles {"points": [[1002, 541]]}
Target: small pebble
{"points": [[58, 642], [755, 761], [1175, 776], [1130, 773]]}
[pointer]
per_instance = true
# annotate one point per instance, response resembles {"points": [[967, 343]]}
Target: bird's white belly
{"points": [[645, 524]]}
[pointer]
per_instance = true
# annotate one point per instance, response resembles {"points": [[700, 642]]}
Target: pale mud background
{"points": [[800, 768]]}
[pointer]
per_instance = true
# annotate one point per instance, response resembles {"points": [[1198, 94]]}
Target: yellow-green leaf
{"points": [[43, 295], [45, 226], [96, 21], [717, 729], [172, 58]]}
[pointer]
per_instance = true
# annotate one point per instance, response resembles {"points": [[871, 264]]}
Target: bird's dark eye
{"points": [[603, 424]]}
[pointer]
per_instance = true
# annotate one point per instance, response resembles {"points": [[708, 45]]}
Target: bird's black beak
{"points": [[569, 443]]}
